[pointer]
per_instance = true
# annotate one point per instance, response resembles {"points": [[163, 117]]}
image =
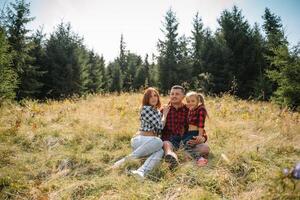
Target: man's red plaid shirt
{"points": [[176, 122]]}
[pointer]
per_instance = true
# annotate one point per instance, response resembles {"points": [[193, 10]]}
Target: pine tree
{"points": [[205, 57], [237, 33], [275, 39], [8, 77], [153, 73], [38, 53], [274, 31], [168, 51], [184, 67], [96, 71], [122, 56], [287, 77], [261, 87], [197, 45], [114, 77], [108, 77], [67, 63], [82, 56], [142, 76], [216, 58], [123, 63], [134, 63], [147, 71], [18, 16]]}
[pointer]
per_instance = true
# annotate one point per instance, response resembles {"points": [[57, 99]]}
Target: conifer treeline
{"points": [[236, 58]]}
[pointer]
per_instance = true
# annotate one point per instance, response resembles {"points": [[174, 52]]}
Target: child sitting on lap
{"points": [[196, 120]]}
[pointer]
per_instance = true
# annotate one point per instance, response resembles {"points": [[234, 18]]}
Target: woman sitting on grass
{"points": [[146, 141]]}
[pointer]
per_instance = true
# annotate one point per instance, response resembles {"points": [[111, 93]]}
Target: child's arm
{"points": [[201, 132], [200, 138]]}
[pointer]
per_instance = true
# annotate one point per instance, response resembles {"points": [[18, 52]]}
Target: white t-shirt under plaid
{"points": [[151, 119]]}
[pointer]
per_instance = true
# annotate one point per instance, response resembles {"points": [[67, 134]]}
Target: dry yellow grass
{"points": [[62, 150]]}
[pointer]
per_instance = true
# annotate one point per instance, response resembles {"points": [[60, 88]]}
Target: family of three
{"points": [[164, 130]]}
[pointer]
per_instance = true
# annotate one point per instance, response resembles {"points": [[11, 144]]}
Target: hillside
{"points": [[63, 150]]}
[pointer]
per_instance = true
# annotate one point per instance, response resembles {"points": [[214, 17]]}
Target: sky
{"points": [[101, 22]]}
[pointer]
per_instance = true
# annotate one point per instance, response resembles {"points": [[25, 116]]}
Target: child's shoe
{"points": [[201, 162]]}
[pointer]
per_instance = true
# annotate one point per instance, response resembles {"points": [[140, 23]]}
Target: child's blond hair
{"points": [[199, 97]]}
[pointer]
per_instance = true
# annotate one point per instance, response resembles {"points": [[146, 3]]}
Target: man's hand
{"points": [[196, 140]]}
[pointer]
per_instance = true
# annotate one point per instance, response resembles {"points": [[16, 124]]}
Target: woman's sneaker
{"points": [[118, 163], [137, 175]]}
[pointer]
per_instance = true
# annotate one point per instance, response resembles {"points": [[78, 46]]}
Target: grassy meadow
{"points": [[63, 150]]}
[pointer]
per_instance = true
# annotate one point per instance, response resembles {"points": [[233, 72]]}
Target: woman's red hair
{"points": [[147, 94]]}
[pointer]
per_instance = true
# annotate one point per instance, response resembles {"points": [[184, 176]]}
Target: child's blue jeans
{"points": [[189, 148], [177, 139]]}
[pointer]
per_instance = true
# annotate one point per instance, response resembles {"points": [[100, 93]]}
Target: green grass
{"points": [[63, 150]]}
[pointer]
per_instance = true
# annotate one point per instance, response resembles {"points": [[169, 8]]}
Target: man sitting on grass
{"points": [[175, 127]]}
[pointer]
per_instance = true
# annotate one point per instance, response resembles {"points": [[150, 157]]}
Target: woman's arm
{"points": [[165, 114]]}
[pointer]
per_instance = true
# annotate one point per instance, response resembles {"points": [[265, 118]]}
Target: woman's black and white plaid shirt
{"points": [[151, 119]]}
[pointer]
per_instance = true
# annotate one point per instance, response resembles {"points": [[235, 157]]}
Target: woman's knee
{"points": [[160, 153], [135, 142], [158, 142]]}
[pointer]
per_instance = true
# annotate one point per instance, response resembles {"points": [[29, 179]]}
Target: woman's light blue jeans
{"points": [[147, 146]]}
